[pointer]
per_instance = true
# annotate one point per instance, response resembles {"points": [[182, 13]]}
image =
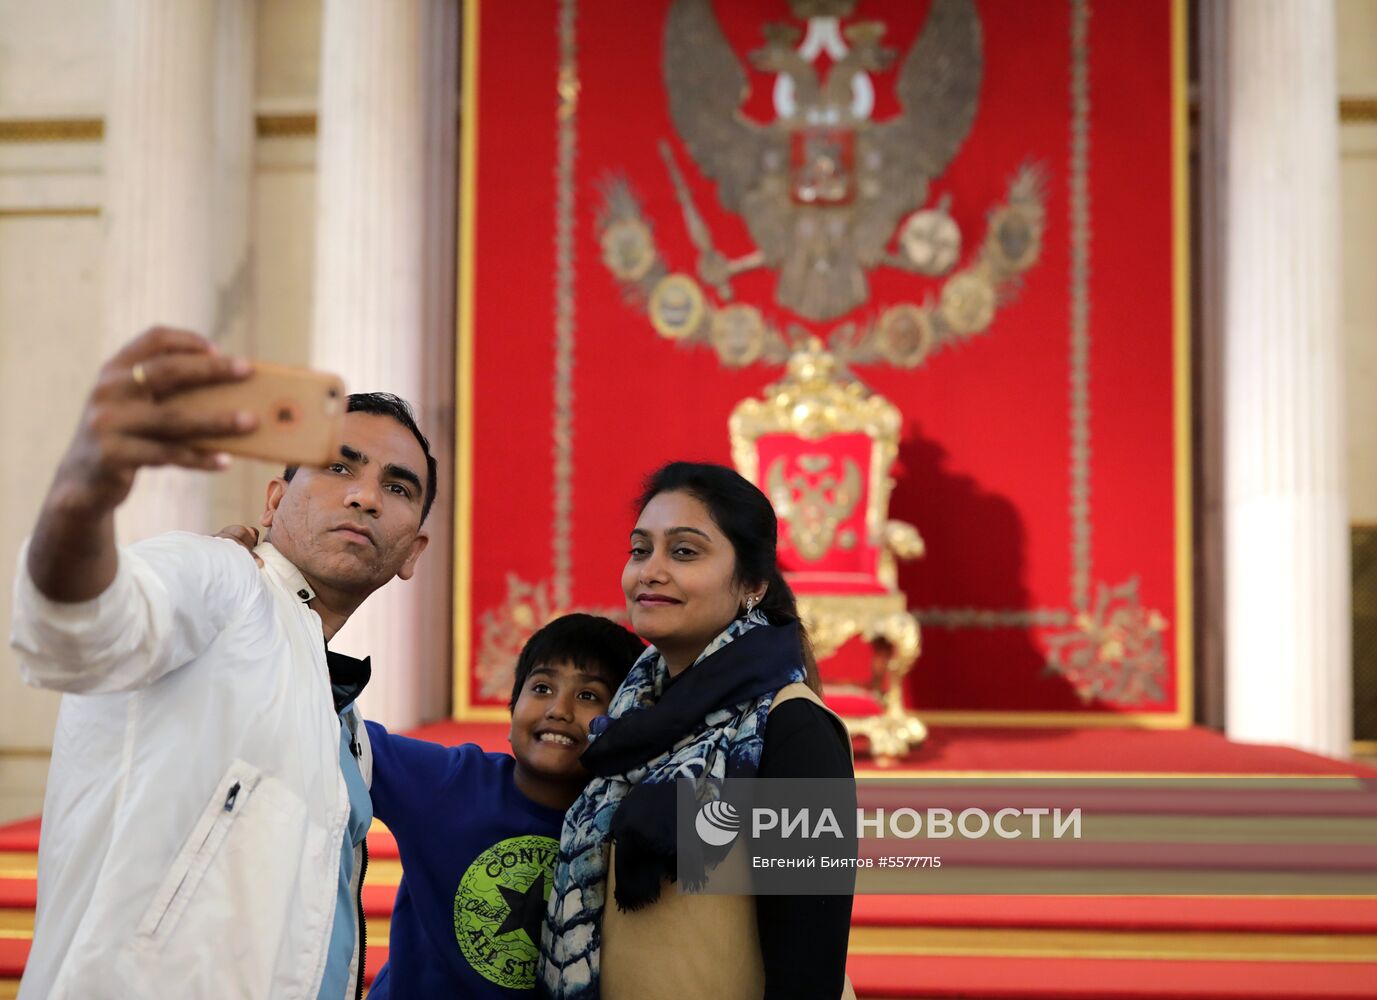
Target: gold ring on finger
{"points": [[140, 377]]}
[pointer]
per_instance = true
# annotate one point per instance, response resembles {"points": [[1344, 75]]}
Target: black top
{"points": [[803, 939]]}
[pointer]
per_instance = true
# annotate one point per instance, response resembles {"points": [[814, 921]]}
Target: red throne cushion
{"points": [[850, 702]]}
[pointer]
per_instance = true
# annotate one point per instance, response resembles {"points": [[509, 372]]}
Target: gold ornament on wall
{"points": [[1113, 651], [677, 306], [738, 335], [628, 249], [824, 190], [931, 240], [905, 336]]}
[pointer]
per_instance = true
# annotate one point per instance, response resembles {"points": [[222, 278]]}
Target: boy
{"points": [[478, 832]]}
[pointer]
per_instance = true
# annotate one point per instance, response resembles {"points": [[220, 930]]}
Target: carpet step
{"points": [[1155, 913], [897, 964], [910, 977], [1022, 947]]}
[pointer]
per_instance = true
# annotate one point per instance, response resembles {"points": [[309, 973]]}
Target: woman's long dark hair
{"points": [[747, 518]]}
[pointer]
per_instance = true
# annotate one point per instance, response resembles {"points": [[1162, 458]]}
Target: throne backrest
{"points": [[821, 449]]}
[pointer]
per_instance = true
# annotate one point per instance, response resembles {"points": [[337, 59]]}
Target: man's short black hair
{"points": [[384, 404], [588, 642]]}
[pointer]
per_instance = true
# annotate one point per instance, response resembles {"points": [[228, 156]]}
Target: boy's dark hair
{"points": [[589, 642], [384, 404]]}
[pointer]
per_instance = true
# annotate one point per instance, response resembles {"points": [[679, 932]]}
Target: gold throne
{"points": [[821, 449]]}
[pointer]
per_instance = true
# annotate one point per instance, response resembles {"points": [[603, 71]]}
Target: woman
{"points": [[703, 586]]}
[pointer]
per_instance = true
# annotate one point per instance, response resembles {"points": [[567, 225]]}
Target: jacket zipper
{"points": [[230, 798], [357, 751], [363, 926]]}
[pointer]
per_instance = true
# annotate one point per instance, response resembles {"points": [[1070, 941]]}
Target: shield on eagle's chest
{"points": [[822, 169]]}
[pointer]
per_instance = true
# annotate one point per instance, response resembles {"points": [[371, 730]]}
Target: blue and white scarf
{"points": [[736, 679]]}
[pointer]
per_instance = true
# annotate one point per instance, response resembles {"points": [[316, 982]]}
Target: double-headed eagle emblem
{"points": [[827, 193]]}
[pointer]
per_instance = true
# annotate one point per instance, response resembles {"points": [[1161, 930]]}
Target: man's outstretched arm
{"points": [[72, 556]]}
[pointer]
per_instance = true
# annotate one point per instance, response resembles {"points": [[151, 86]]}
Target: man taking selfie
{"points": [[208, 794]]}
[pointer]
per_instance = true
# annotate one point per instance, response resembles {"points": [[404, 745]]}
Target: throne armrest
{"points": [[903, 540]]}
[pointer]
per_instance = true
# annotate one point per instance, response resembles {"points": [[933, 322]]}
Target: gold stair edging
{"points": [[384, 871], [16, 924], [1082, 944], [18, 864]]}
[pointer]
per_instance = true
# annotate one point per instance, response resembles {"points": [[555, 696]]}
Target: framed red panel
{"points": [[1041, 372]]}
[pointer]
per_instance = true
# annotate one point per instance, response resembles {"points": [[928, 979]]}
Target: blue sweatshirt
{"points": [[477, 857]]}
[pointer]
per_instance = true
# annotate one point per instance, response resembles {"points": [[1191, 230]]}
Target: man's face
{"points": [[355, 524], [551, 716]]}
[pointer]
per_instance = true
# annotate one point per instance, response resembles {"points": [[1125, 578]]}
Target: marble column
{"points": [[375, 321], [440, 69], [237, 496], [158, 159], [1287, 600]]}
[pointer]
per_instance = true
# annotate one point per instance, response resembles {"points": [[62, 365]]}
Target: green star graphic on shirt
{"points": [[503, 892], [526, 910]]}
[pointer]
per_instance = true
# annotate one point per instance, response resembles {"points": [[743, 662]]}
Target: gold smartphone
{"points": [[300, 414]]}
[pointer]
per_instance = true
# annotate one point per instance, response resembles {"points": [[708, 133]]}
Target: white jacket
{"points": [[195, 808]]}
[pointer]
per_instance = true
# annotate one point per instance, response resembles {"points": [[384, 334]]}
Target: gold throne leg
{"points": [[895, 731]]}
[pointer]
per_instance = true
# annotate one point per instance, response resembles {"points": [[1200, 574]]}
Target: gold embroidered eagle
{"points": [[823, 187]]}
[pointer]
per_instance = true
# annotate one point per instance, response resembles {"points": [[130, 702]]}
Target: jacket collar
{"points": [[348, 676], [286, 573]]}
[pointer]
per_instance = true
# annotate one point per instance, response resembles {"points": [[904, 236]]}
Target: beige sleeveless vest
{"points": [[686, 945]]}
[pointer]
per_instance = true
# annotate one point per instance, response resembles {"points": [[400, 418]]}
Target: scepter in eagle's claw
{"points": [[715, 269]]}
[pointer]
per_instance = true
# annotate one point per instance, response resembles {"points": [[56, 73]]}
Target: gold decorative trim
{"points": [[992, 618], [384, 871], [52, 130], [562, 433], [1003, 942], [1078, 204], [267, 125], [274, 126], [18, 864], [1358, 109], [1053, 720], [55, 212], [16, 923], [463, 359], [1181, 349]]}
